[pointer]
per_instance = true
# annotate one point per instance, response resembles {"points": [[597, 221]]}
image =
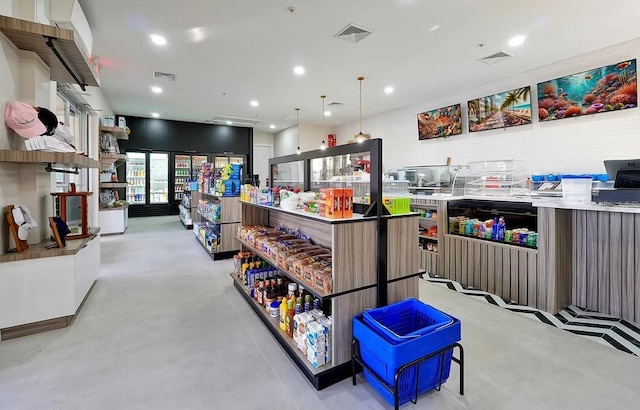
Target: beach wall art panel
{"points": [[440, 123], [609, 88], [507, 109]]}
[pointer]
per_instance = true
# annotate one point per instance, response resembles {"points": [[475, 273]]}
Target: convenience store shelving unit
{"points": [[229, 222], [113, 220], [373, 261]]}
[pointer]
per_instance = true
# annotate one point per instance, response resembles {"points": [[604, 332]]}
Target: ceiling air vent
{"points": [[164, 76], [353, 33], [495, 58], [237, 121]]}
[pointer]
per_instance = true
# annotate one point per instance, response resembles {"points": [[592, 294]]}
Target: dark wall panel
{"points": [[157, 134], [219, 139], [239, 140]]}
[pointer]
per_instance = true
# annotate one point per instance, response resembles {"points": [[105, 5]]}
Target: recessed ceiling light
{"points": [[158, 39], [434, 28], [388, 90], [327, 113], [517, 40], [156, 89], [155, 114], [254, 103], [272, 126], [229, 123], [298, 70]]}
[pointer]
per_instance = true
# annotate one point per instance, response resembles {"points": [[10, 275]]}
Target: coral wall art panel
{"points": [[440, 123], [502, 110], [610, 88]]}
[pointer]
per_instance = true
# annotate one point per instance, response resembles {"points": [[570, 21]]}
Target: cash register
{"points": [[626, 187]]}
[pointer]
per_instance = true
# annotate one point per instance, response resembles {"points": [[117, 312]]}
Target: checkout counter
{"points": [[584, 254]]}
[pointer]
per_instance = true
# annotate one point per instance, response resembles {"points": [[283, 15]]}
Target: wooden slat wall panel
{"points": [[402, 289], [477, 262], [615, 263], [491, 269], [497, 260], [354, 257], [629, 255], [603, 261], [483, 249], [523, 281], [229, 233], [564, 260], [231, 209], [402, 259], [320, 233], [591, 238], [506, 274], [579, 278], [637, 268], [344, 308], [458, 259], [464, 263], [443, 228], [514, 274], [251, 215], [532, 280], [471, 265]]}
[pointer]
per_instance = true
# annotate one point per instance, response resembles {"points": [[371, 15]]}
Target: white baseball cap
{"points": [[22, 217]]}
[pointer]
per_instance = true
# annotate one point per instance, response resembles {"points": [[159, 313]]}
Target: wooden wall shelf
{"points": [[117, 132], [43, 157], [106, 160], [28, 35], [38, 250]]}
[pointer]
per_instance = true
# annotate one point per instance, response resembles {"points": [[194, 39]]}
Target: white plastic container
{"points": [[576, 190]]}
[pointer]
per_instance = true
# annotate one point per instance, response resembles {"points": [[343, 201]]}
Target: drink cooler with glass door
{"points": [[147, 176]]}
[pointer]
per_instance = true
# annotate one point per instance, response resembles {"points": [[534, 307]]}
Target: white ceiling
{"points": [[251, 46]]}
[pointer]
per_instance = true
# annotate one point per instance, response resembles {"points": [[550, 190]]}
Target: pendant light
{"points": [[298, 130], [360, 137], [323, 145]]}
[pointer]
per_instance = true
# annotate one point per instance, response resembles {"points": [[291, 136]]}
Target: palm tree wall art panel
{"points": [[502, 110], [609, 88], [440, 123]]}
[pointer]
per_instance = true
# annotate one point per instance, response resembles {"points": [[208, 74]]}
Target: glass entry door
{"points": [[159, 178], [136, 177]]}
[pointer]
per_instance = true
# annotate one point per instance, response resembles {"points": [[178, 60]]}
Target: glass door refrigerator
{"points": [[221, 160], [182, 174], [136, 178], [158, 178]]}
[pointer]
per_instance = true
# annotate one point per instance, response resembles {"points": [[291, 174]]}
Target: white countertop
{"points": [[541, 203]]}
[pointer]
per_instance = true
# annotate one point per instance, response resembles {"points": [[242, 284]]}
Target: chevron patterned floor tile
{"points": [[604, 329]]}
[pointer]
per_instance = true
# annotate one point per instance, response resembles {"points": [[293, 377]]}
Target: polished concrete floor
{"points": [[165, 329]]}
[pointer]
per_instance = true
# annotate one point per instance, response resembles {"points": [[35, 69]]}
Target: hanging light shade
{"points": [[298, 130], [360, 137]]}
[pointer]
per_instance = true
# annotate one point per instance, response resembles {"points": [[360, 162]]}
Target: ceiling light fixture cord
{"points": [[323, 145], [298, 130], [360, 80]]}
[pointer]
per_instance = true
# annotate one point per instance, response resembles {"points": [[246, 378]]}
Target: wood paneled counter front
{"points": [[588, 255]]}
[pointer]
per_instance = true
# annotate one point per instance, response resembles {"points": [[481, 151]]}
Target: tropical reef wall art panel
{"points": [[440, 123], [610, 88], [507, 109]]}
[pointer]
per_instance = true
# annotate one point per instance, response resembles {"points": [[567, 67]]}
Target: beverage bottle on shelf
{"points": [[280, 289], [501, 229], [283, 314], [288, 324], [265, 292], [307, 303], [494, 229]]}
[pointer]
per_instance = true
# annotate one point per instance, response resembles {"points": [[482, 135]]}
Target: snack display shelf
{"points": [[207, 218], [320, 377], [307, 286], [209, 252], [309, 215], [431, 220], [432, 238], [499, 243]]}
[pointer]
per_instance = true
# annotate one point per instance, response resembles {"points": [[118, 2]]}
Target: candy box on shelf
{"points": [[397, 205], [333, 202]]}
